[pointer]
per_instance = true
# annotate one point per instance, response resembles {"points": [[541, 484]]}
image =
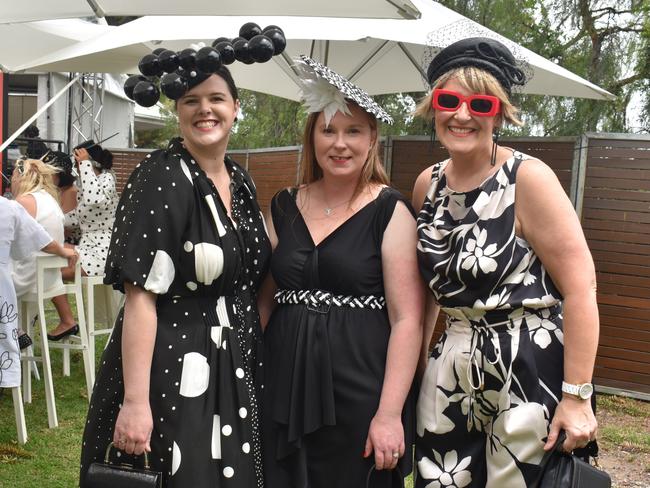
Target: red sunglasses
{"points": [[450, 101]]}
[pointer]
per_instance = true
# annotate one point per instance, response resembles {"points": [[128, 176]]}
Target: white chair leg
{"points": [[66, 358], [85, 351], [19, 413], [90, 315], [27, 377], [34, 363], [47, 370], [27, 380], [34, 366]]}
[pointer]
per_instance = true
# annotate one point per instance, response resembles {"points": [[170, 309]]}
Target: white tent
{"points": [[30, 10], [31, 40], [380, 55]]}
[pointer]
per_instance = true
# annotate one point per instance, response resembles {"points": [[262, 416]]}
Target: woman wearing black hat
{"points": [[189, 249], [503, 253], [96, 203]]}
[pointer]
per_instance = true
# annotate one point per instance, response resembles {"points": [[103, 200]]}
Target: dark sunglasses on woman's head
{"points": [[450, 101]]}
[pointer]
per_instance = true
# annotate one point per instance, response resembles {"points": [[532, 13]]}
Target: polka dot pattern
{"points": [[202, 390], [94, 216]]}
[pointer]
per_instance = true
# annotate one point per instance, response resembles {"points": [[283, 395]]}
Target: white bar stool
{"points": [[32, 304], [109, 309], [19, 413]]}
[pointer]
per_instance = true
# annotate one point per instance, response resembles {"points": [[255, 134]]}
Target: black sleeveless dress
{"points": [[324, 365]]}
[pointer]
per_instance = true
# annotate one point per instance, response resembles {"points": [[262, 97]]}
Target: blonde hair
{"points": [[36, 175], [372, 172], [475, 80]]}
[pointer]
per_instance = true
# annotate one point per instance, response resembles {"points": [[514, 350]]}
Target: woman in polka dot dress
{"points": [[95, 210], [190, 249]]}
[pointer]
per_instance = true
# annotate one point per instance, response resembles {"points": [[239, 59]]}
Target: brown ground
{"points": [[624, 440]]}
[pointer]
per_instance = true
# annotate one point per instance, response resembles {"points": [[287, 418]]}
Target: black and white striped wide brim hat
{"points": [[350, 91]]}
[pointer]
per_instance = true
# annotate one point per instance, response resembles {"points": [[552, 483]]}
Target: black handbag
{"points": [[394, 472], [562, 470], [107, 475]]}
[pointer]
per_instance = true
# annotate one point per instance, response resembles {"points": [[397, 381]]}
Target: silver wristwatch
{"points": [[583, 391]]}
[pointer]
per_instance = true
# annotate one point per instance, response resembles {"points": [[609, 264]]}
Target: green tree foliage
{"points": [[158, 138], [267, 121], [603, 41], [400, 107]]}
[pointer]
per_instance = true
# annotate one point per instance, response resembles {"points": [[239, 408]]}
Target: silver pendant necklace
{"points": [[329, 209]]}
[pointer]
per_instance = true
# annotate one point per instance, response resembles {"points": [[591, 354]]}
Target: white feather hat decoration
{"points": [[324, 90]]}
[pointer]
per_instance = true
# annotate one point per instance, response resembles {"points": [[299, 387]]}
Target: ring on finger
{"points": [[395, 454]]}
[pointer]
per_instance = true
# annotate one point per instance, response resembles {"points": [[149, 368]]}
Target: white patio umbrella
{"points": [[31, 40], [380, 55], [30, 10]]}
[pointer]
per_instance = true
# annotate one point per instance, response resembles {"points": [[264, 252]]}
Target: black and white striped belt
{"points": [[320, 301]]}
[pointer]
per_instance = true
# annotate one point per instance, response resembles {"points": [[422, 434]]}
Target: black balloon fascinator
{"points": [[174, 73]]}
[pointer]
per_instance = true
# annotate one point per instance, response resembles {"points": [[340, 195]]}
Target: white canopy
{"points": [[29, 10], [380, 55], [32, 40]]}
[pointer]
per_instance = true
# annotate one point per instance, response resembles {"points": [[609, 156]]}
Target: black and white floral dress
{"points": [[494, 378], [173, 237]]}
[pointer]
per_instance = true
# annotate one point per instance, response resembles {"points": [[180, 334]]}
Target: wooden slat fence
{"points": [[610, 184], [616, 221]]}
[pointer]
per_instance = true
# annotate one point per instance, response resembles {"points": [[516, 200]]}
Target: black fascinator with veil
{"points": [[480, 52]]}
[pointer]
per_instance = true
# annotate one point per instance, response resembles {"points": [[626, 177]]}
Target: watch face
{"points": [[586, 390]]}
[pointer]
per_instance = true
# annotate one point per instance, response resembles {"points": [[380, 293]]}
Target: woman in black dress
{"points": [[189, 249], [342, 341]]}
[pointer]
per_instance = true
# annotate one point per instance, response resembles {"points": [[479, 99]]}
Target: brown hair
{"points": [[373, 170], [475, 80], [36, 175]]}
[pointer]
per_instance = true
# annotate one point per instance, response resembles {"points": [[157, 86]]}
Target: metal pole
{"points": [[20, 130], [579, 173]]}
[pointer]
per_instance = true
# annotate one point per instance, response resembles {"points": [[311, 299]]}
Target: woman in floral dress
{"points": [[503, 254]]}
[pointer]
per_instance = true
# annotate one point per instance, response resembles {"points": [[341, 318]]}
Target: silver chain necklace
{"points": [[329, 209]]}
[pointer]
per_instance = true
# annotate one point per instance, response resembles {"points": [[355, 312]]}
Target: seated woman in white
{"points": [[20, 237], [33, 186]]}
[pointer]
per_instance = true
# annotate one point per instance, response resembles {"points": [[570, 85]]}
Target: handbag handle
{"points": [[561, 437], [111, 446], [393, 472]]}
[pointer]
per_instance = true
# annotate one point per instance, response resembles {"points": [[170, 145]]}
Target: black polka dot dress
{"points": [[96, 202], [173, 237]]}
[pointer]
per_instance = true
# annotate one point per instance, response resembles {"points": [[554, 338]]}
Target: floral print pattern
{"points": [[477, 256], [7, 313], [493, 380], [448, 472]]}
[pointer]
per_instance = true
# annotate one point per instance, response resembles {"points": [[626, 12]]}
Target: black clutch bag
{"points": [[107, 475], [395, 473], [562, 470]]}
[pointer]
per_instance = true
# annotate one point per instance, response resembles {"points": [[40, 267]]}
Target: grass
{"points": [[628, 426], [51, 456]]}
